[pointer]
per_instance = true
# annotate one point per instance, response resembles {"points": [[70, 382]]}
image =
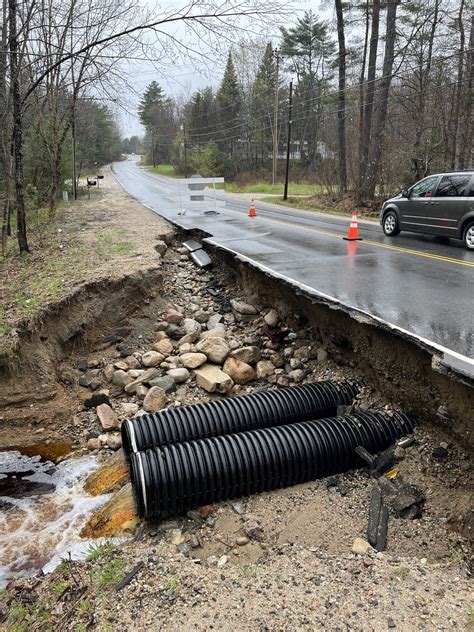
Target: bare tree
{"points": [[341, 110]]}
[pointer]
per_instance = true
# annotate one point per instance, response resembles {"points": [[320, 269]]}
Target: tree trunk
{"points": [[457, 131], [341, 110], [419, 162], [376, 144], [467, 126], [17, 136], [361, 93], [370, 95]]}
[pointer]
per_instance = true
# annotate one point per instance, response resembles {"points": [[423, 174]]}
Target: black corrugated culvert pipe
{"points": [[182, 476], [236, 414]]}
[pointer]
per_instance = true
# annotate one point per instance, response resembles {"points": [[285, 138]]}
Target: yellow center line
{"points": [[418, 253]]}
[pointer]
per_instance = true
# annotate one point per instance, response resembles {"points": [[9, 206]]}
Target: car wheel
{"points": [[390, 224], [468, 236]]}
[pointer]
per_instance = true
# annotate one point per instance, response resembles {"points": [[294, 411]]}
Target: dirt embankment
{"points": [[90, 276]]}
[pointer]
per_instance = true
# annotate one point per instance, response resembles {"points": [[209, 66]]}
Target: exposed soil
{"points": [[110, 277]]}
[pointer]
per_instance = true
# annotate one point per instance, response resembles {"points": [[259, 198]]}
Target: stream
{"points": [[43, 508]]}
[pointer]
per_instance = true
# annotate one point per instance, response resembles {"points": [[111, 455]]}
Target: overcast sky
{"points": [[184, 75]]}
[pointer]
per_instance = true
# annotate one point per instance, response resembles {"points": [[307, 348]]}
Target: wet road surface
{"points": [[414, 283]]}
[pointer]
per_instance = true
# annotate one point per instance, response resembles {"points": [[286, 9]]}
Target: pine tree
{"points": [[263, 94], [229, 108], [155, 112]]}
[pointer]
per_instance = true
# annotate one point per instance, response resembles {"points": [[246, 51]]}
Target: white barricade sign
{"points": [[199, 194]]}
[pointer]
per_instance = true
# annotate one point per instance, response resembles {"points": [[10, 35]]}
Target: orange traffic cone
{"points": [[353, 234], [252, 211]]}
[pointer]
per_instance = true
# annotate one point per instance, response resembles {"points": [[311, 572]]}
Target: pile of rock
{"points": [[203, 344]]}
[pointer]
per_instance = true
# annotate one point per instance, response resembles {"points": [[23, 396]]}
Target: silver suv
{"points": [[441, 204]]}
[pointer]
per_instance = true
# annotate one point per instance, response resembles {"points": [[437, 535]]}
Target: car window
{"points": [[453, 186], [425, 188]]}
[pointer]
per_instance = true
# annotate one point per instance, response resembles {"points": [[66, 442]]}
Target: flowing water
{"points": [[43, 508]]}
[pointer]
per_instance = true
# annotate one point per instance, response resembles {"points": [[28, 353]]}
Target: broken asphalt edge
{"points": [[444, 360]]}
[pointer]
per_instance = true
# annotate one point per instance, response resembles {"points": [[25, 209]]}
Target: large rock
{"points": [[154, 400], [144, 378], [214, 320], [152, 358], [243, 308], [166, 383], [132, 362], [216, 349], [191, 326], [250, 355], [264, 368], [212, 379], [117, 516], [213, 333], [193, 360], [165, 346], [121, 378], [179, 375], [107, 417], [272, 318], [173, 317], [240, 372], [176, 332]]}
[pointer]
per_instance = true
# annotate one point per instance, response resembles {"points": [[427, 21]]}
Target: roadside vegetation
{"points": [[63, 255], [382, 96]]}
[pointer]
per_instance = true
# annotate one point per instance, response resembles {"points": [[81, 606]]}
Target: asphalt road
{"points": [[414, 283]]}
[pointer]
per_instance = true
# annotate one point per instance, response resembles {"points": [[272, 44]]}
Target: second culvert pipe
{"points": [[237, 414], [183, 476]]}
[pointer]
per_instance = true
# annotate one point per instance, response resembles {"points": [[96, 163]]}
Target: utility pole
{"points": [[275, 117], [288, 143], [73, 133], [185, 152]]}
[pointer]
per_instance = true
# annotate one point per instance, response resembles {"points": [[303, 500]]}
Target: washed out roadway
{"points": [[413, 283]]}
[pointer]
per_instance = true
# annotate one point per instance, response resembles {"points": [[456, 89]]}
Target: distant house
{"points": [[295, 153]]}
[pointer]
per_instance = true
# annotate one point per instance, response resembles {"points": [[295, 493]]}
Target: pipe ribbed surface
{"points": [[182, 476], [237, 414]]}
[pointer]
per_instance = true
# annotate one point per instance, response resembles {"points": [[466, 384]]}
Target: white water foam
{"points": [[39, 529]]}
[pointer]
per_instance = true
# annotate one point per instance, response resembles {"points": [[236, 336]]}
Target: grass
{"points": [[58, 261], [303, 188], [98, 551], [108, 574], [164, 170], [320, 204]]}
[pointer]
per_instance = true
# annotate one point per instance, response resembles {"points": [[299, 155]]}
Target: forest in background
{"points": [[382, 96]]}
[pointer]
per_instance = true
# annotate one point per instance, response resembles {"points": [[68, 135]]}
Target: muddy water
{"points": [[43, 507]]}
